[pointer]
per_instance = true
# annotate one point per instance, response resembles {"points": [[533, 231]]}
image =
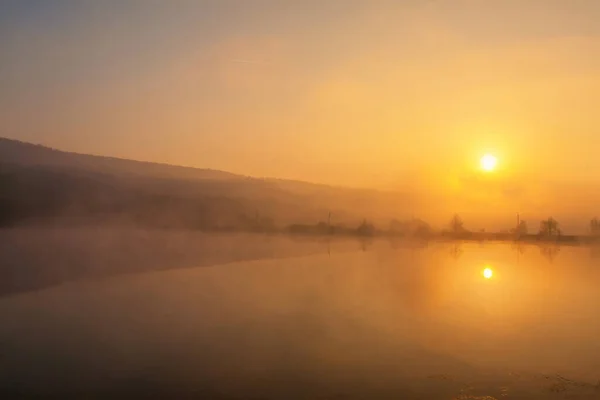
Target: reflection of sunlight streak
{"points": [[488, 273]]}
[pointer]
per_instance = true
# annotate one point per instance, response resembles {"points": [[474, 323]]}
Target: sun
{"points": [[488, 273], [488, 162]]}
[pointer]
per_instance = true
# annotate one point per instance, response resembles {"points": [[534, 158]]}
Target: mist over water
{"points": [[310, 319]]}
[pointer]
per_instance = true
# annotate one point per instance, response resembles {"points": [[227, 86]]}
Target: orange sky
{"points": [[382, 94]]}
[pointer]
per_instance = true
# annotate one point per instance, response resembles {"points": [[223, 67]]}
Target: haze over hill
{"points": [[65, 184]]}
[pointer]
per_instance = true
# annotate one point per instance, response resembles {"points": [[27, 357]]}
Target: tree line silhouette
{"points": [[549, 229]]}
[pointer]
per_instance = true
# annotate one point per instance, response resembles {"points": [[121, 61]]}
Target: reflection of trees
{"points": [[550, 252], [365, 244], [397, 244], [327, 242], [456, 251], [518, 247]]}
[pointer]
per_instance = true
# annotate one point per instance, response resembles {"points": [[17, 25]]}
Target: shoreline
{"points": [[316, 231]]}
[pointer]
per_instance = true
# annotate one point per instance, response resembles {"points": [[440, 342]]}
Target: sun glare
{"points": [[488, 162], [488, 273]]}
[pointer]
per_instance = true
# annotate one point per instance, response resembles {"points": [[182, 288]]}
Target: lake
{"points": [[253, 317]]}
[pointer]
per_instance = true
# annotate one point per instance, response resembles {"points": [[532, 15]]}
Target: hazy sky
{"points": [[362, 93]]}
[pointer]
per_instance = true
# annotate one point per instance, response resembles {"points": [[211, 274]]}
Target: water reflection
{"points": [[35, 259], [365, 244], [456, 251], [413, 244], [370, 323], [595, 251], [550, 251], [519, 247]]}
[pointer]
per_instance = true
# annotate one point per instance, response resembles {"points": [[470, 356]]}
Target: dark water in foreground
{"points": [[348, 321]]}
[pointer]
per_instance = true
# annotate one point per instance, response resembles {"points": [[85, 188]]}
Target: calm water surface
{"points": [[376, 320]]}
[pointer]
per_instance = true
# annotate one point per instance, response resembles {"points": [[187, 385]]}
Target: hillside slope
{"points": [[37, 182]]}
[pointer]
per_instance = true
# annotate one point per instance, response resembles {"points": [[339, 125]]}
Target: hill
{"points": [[41, 185], [27, 154]]}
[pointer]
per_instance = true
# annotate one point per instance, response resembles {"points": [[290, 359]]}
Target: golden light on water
{"points": [[488, 162], [488, 273]]}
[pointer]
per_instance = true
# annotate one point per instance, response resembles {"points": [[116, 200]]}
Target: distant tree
{"points": [[324, 228], [299, 228], [595, 227], [521, 229], [421, 228], [397, 226], [366, 229], [456, 224], [550, 228], [267, 224], [257, 223], [413, 227]]}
